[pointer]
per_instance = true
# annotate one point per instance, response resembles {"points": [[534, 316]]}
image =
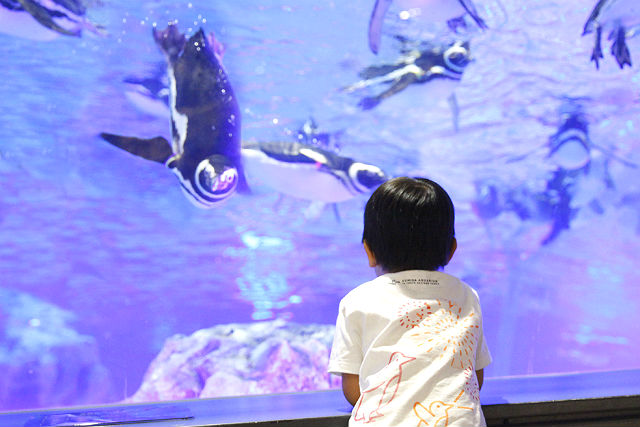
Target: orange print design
{"points": [[437, 414], [451, 334], [412, 313]]}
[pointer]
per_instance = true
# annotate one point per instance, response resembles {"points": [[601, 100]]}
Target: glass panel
{"points": [[117, 284]]}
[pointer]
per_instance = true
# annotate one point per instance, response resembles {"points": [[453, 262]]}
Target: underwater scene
{"points": [[183, 184]]}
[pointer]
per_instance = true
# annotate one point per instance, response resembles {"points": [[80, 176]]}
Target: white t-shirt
{"points": [[415, 339]]}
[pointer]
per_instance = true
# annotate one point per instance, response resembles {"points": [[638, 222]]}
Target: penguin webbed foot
{"points": [[596, 54], [556, 228], [455, 24], [619, 48], [369, 102], [170, 40], [483, 25]]}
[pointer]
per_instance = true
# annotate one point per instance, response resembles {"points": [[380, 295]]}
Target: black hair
{"points": [[409, 225]]}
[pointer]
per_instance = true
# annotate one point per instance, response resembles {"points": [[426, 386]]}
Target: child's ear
{"points": [[370, 255], [454, 246]]}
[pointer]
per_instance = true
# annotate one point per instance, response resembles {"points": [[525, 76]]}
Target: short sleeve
{"points": [[346, 352], [483, 356]]}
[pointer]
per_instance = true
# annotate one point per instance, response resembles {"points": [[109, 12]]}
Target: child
{"points": [[409, 344]]}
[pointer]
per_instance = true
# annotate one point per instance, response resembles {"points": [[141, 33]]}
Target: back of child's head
{"points": [[408, 225]]}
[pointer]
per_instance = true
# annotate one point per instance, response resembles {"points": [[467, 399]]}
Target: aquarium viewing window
{"points": [[183, 184]]}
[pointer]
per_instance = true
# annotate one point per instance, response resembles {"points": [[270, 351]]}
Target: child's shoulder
{"points": [[366, 289]]}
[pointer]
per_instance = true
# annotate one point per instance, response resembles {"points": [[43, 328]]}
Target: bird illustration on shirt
{"points": [[380, 395], [437, 412]]}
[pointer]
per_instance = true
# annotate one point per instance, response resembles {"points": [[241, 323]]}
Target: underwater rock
{"points": [[239, 359], [46, 363]]}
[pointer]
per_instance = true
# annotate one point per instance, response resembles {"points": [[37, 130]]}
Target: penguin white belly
{"points": [[300, 180], [571, 156], [23, 25]]}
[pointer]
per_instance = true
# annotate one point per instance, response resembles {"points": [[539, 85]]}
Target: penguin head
{"points": [[489, 202], [569, 148], [457, 56], [365, 177], [216, 178]]}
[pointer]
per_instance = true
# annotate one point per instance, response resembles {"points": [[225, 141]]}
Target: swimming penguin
{"points": [[205, 122], [557, 204], [435, 63], [418, 66], [44, 20], [570, 147], [309, 172], [438, 10], [552, 206], [150, 94], [622, 19]]}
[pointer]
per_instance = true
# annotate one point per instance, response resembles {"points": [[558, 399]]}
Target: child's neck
{"points": [[379, 270]]}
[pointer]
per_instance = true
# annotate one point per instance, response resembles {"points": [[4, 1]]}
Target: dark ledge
{"points": [[587, 399]]}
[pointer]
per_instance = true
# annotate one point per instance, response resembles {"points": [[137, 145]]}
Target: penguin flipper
{"points": [[293, 152], [592, 20], [399, 84], [471, 10], [375, 24], [155, 149], [42, 15], [369, 102], [377, 71]]}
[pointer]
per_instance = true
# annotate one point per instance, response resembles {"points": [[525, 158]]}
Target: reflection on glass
{"points": [[131, 247]]}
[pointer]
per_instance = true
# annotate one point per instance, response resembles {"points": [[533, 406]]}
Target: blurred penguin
{"points": [[150, 94], [570, 146], [572, 186], [45, 20], [621, 18], [440, 66]]}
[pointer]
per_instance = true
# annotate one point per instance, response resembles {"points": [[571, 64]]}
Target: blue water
{"points": [[112, 239]]}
